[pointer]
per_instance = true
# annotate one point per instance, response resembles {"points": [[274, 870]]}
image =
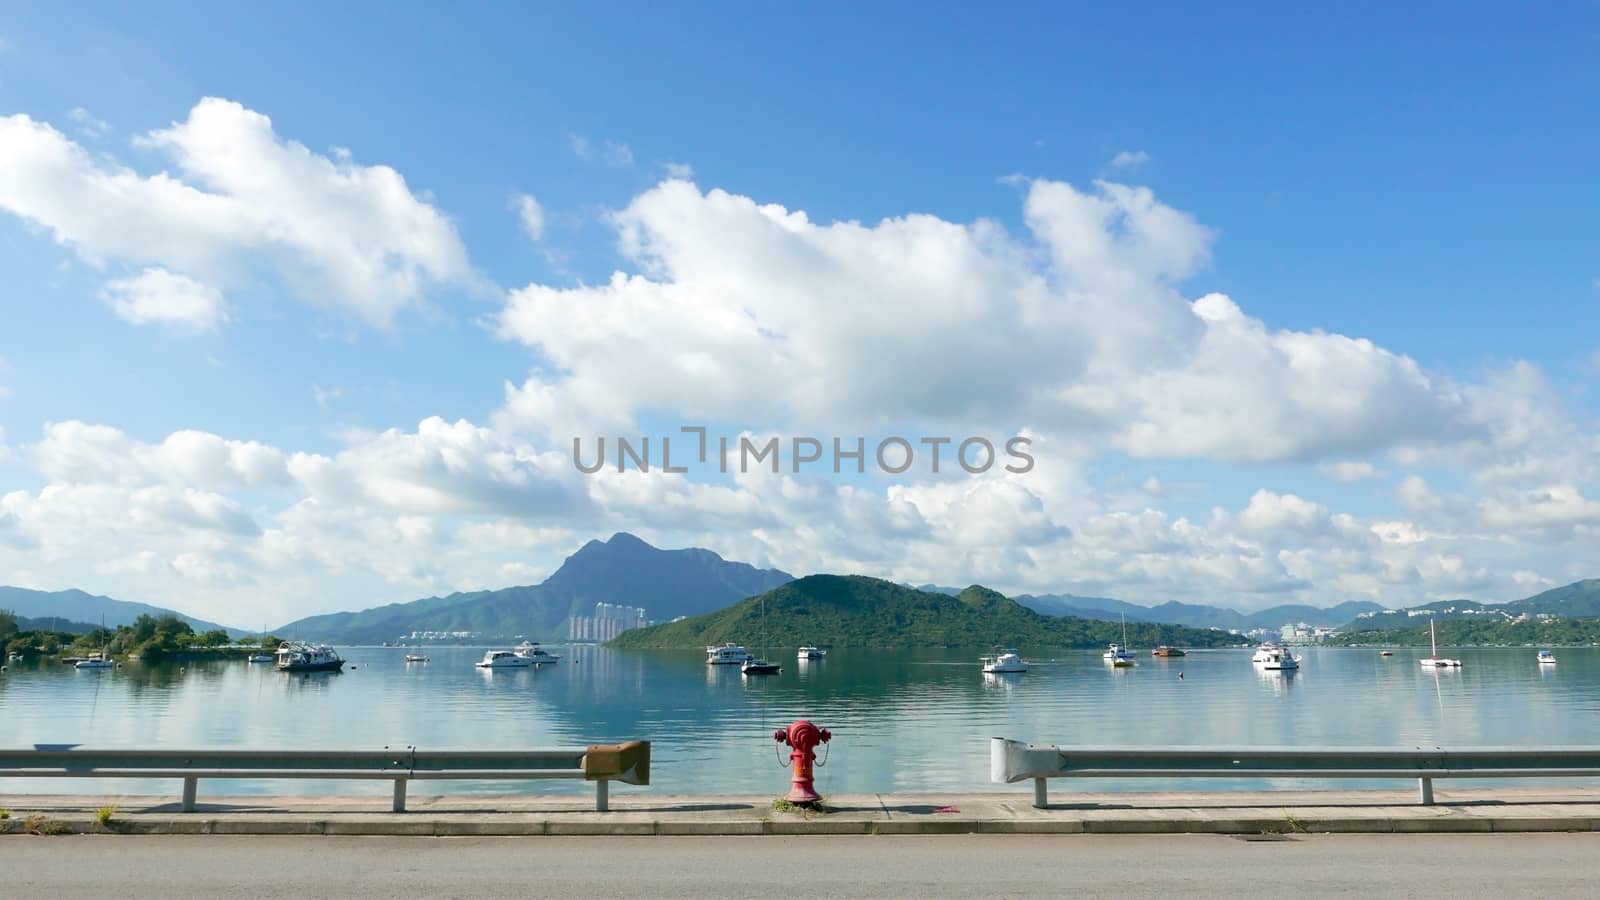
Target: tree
{"points": [[216, 637]]}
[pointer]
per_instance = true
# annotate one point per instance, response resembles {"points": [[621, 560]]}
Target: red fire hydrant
{"points": [[802, 736]]}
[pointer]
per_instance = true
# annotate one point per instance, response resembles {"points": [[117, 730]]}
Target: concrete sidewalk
{"points": [[639, 813]]}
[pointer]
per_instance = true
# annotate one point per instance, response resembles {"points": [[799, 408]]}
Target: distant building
{"points": [[608, 621]]}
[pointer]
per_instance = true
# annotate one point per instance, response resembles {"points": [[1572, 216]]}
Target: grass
{"points": [[4, 813], [103, 815], [1293, 823], [784, 806], [39, 824]]}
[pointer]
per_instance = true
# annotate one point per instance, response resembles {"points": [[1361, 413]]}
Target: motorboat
{"points": [[729, 654], [1165, 652], [810, 652], [760, 667], [298, 656], [1275, 657], [536, 654], [1003, 661], [503, 659], [1385, 652], [259, 658], [1435, 661], [1547, 657], [415, 657]]}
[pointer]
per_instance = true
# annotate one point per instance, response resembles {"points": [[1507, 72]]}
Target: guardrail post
{"points": [[400, 795], [1425, 791], [1041, 796], [191, 786], [602, 798]]}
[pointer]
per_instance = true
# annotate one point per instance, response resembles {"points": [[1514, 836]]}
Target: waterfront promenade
{"points": [[1458, 810]]}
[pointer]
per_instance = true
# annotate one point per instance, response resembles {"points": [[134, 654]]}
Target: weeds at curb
{"points": [[103, 815], [784, 806]]}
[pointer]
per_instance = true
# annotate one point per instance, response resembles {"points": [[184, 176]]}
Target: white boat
{"points": [[1435, 661], [94, 662], [1119, 655], [1003, 661], [1547, 657], [759, 666], [260, 658], [537, 654], [298, 656], [416, 657], [503, 659], [810, 652], [1275, 657], [729, 654]]}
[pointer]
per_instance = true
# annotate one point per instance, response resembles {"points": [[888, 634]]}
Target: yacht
{"points": [[810, 652], [1119, 655], [1003, 661], [760, 667], [729, 654], [1435, 661], [536, 654], [503, 659], [297, 656], [1165, 651], [1547, 657], [1275, 657], [416, 657]]}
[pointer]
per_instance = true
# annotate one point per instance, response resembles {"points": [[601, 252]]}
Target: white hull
{"points": [[1006, 662], [1275, 659], [1432, 663]]}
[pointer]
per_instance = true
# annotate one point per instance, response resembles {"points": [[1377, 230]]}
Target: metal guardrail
{"points": [[1012, 761], [601, 763]]}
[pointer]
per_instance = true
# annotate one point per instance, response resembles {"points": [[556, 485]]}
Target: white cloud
{"points": [[1129, 158], [530, 213], [88, 125], [607, 151], [679, 171], [160, 297], [1351, 470], [337, 233]]}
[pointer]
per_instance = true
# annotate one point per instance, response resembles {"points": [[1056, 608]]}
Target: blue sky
{"points": [[1422, 178]]}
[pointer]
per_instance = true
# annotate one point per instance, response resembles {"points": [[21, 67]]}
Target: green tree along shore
{"points": [[1478, 631], [149, 638], [856, 611]]}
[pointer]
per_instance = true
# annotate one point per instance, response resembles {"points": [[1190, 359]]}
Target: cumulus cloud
{"points": [[1129, 158], [337, 233], [1350, 470], [157, 296]]}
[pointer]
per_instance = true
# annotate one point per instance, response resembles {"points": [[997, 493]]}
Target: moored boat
{"points": [[810, 652], [415, 658], [1119, 656], [1003, 661], [1435, 661], [1165, 651], [760, 667], [1547, 657], [1275, 657], [536, 654], [298, 656], [729, 654], [503, 659]]}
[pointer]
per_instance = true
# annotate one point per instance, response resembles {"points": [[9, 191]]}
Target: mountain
{"points": [[856, 611], [1196, 615], [54, 624], [623, 570], [77, 606], [1579, 600]]}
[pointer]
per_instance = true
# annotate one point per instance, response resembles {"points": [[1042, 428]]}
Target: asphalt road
{"points": [[965, 866]]}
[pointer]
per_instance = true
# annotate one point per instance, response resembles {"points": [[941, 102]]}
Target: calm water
{"points": [[909, 721]]}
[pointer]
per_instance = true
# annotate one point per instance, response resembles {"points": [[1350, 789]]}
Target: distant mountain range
{"points": [[1193, 615], [75, 606], [856, 611], [1579, 600], [623, 570]]}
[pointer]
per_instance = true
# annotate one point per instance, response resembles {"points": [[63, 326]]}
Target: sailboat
{"points": [[760, 666], [262, 656], [1434, 661], [100, 660], [1119, 655]]}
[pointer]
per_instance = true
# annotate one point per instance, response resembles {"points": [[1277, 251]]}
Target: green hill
{"points": [[855, 611], [1476, 631]]}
